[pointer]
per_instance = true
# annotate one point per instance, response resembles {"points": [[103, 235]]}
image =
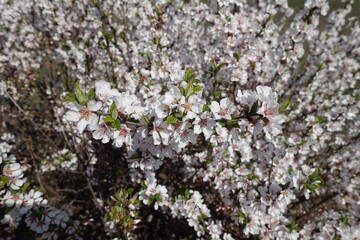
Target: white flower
{"points": [[192, 106], [84, 115], [13, 170], [103, 132], [222, 110], [204, 123], [161, 132], [104, 91], [266, 95], [173, 97], [183, 135], [123, 135], [246, 97]]}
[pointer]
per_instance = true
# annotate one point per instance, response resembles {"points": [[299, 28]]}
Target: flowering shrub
{"points": [[179, 120]]}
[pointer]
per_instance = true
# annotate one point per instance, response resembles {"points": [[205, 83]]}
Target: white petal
{"points": [[215, 107], [72, 116], [81, 125], [98, 134], [94, 105]]}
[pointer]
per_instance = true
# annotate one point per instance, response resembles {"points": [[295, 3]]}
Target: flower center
{"points": [[222, 112], [85, 113]]}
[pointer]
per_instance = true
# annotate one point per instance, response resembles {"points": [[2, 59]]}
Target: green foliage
{"points": [[242, 218], [91, 94], [80, 96], [108, 118], [284, 105], [146, 119], [254, 108], [113, 111], [313, 182], [3, 181], [292, 226], [171, 119], [72, 97], [215, 67], [125, 209], [345, 220]]}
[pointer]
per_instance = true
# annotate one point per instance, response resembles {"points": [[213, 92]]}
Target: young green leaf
{"points": [[81, 97], [113, 111], [171, 119], [91, 94], [108, 118], [116, 124], [72, 97]]}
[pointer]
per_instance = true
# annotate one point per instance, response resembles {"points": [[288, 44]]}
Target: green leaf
{"points": [[4, 180], [158, 198], [252, 176], [284, 104], [91, 94], [171, 119], [233, 123], [150, 201], [72, 97], [116, 124], [187, 193], [243, 218], [189, 75], [202, 217], [254, 107], [182, 90], [293, 226], [216, 93], [284, 186], [81, 97], [146, 119], [345, 220], [197, 88], [179, 115], [108, 118], [143, 185], [222, 122], [189, 89], [215, 68], [24, 187], [206, 108], [107, 36], [318, 119], [113, 111]]}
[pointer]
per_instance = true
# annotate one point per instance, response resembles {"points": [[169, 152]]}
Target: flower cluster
{"points": [[40, 217], [233, 119]]}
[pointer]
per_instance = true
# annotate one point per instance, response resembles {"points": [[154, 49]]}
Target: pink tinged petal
{"points": [[16, 173], [73, 116], [81, 125], [94, 105]]}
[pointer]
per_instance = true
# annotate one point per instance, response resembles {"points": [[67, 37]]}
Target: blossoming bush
{"points": [[226, 119]]}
